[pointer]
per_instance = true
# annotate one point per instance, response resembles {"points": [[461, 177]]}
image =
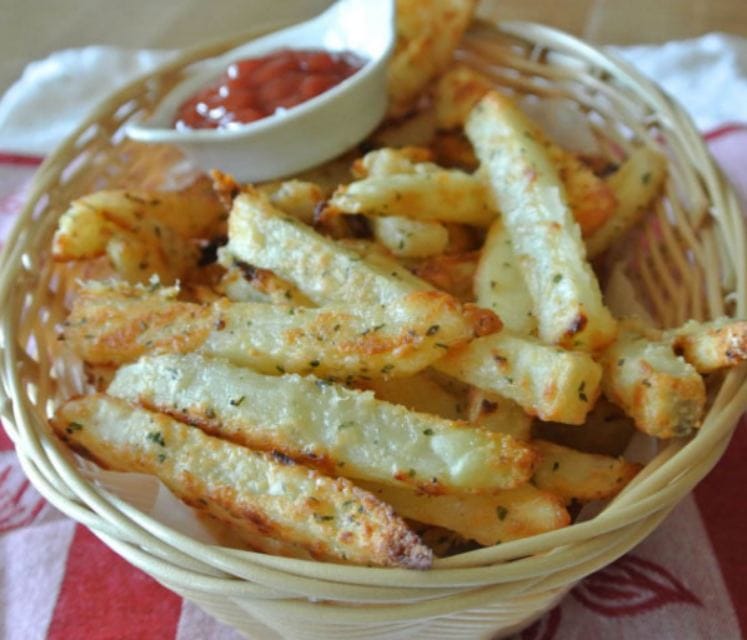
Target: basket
{"points": [[687, 260]]}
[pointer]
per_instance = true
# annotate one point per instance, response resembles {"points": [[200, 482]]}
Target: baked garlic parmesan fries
{"points": [[420, 344]]}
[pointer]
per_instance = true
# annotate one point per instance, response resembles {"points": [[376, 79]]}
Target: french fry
{"points": [[421, 393], [500, 415], [331, 518], [454, 151], [324, 271], [339, 430], [551, 383], [112, 324], [591, 199], [635, 184], [90, 221], [389, 162], [663, 394], [298, 198], [508, 515], [456, 93], [575, 475], [244, 283], [500, 284], [408, 238], [546, 238], [426, 39], [712, 345], [453, 273], [428, 193]]}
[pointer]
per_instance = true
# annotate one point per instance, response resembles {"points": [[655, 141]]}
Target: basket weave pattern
{"points": [[687, 259]]}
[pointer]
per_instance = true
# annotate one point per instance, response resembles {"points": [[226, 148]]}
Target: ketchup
{"points": [[255, 88]]}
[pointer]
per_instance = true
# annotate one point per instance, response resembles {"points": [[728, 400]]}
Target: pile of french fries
{"points": [[406, 345]]}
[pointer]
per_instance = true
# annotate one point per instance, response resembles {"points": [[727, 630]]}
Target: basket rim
{"points": [[42, 457]]}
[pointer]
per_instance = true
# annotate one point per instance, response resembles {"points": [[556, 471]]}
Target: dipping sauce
{"points": [[255, 88]]}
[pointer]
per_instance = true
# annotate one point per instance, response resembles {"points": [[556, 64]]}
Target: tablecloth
{"points": [[57, 581]]}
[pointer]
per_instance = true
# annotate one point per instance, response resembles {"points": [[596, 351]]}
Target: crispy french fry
{"points": [[489, 520], [141, 233], [323, 270], [330, 518], [453, 273], [592, 200], [427, 193], [408, 238], [546, 238], [426, 38], [710, 346], [298, 198], [420, 393], [663, 394], [551, 383], [498, 414], [454, 151], [500, 283], [575, 475], [635, 184], [89, 223], [340, 430], [388, 161], [112, 324], [456, 93], [244, 283]]}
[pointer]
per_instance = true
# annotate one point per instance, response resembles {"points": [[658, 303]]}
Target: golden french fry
{"points": [[420, 392], [592, 200], [710, 346], [456, 93], [426, 38], [324, 271], [575, 475], [409, 238], [498, 414], [331, 518], [111, 324], [298, 198], [427, 193], [507, 515], [635, 184], [389, 161], [551, 383], [500, 283], [663, 394], [340, 430], [453, 273], [244, 283], [546, 238]]}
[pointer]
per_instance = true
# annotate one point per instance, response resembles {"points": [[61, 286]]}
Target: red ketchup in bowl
{"points": [[255, 88]]}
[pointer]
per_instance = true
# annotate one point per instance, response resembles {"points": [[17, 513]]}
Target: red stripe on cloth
{"points": [[17, 159], [104, 598], [724, 130], [720, 499], [6, 444]]}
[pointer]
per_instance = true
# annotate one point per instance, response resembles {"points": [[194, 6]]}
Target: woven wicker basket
{"points": [[687, 261]]}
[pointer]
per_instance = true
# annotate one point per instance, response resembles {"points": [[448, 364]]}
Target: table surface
{"points": [[31, 29]]}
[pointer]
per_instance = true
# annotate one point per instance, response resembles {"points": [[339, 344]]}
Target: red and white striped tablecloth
{"points": [[687, 580]]}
